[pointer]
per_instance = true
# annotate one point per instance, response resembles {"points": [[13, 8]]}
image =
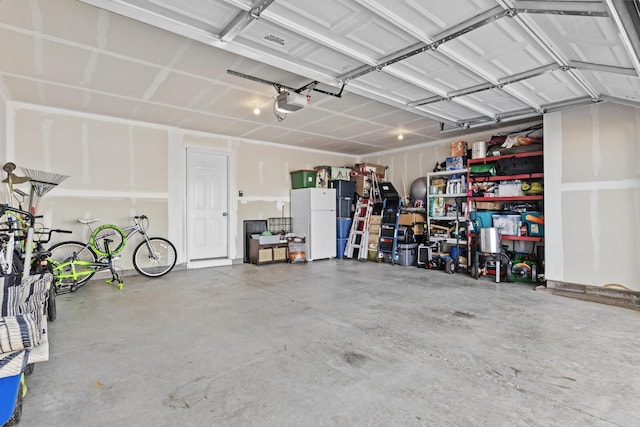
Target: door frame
{"points": [[231, 215]]}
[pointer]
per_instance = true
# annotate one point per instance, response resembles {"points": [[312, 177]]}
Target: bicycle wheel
{"points": [[108, 239], [155, 259], [51, 309], [61, 252]]}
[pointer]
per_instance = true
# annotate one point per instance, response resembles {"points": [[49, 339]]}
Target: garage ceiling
{"points": [[374, 69]]}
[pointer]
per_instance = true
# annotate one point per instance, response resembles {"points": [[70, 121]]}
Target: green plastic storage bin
{"points": [[303, 179]]}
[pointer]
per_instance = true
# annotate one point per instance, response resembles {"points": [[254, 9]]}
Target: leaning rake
{"points": [[41, 183]]}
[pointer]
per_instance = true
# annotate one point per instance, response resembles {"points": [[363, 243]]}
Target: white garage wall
{"points": [[592, 192], [119, 168]]}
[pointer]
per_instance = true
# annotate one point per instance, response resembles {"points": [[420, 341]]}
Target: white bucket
{"points": [[479, 150]]}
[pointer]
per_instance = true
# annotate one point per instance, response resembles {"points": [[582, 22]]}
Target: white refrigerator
{"points": [[313, 215]]}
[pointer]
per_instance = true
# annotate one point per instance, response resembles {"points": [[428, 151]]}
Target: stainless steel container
{"points": [[490, 240]]}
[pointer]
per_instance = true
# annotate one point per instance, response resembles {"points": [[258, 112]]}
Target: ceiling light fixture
{"points": [[256, 109], [400, 137]]}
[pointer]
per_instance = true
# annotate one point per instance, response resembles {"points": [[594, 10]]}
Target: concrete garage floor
{"points": [[334, 343]]}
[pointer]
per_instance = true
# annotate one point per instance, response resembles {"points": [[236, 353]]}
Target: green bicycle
{"points": [[74, 263]]}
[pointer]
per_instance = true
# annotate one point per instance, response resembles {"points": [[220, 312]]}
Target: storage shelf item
{"points": [[506, 199], [506, 156], [303, 178], [513, 172], [277, 225], [265, 254], [522, 238], [448, 189]]}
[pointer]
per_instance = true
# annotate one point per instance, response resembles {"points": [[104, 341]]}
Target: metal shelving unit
{"points": [[455, 190]]}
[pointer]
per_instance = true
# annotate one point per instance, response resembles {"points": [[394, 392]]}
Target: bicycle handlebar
{"points": [[28, 217], [49, 232]]}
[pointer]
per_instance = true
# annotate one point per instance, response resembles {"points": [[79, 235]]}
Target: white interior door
{"points": [[207, 202]]}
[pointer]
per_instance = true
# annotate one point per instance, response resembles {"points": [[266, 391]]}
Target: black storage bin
{"points": [[249, 227], [343, 188]]}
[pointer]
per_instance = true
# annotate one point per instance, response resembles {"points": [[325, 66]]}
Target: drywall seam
{"points": [[11, 133], [595, 139], [164, 72], [36, 22], [132, 159], [85, 177], [594, 203], [5, 93], [109, 119], [105, 194], [250, 199], [101, 41], [46, 125], [621, 184]]}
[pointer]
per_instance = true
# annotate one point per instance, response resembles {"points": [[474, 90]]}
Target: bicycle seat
{"points": [[87, 221]]}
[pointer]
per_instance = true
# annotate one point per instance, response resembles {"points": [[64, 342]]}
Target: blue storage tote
{"points": [[344, 207], [343, 188], [483, 219], [343, 226], [9, 389]]}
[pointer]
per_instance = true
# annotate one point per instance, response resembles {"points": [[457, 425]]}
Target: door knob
{"points": [[224, 214]]}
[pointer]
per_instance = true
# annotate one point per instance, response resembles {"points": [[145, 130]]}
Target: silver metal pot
{"points": [[490, 240]]}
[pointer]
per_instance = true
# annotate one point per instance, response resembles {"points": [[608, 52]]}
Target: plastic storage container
{"points": [[343, 226], [341, 244], [341, 173], [534, 222], [343, 188], [408, 254], [344, 207], [303, 179]]}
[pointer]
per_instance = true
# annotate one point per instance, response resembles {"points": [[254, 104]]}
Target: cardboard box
{"points": [[374, 228], [458, 148], [370, 167], [375, 219], [491, 206], [418, 229], [373, 238], [411, 218], [362, 185]]}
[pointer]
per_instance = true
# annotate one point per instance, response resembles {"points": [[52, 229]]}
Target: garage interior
{"points": [[126, 98]]}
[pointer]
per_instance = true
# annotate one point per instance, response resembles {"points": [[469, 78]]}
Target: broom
{"points": [[41, 183]]}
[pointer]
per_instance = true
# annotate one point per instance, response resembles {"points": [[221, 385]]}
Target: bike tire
{"points": [[17, 409], [112, 232], [61, 252], [163, 262], [52, 310]]}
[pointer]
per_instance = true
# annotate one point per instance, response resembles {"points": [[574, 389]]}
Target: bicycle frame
{"points": [[68, 269], [58, 269], [128, 231]]}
